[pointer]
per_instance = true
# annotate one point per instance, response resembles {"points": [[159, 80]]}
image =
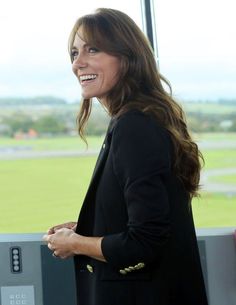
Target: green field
{"points": [[208, 108], [51, 143], [221, 158], [215, 210], [230, 179], [37, 193], [215, 137]]}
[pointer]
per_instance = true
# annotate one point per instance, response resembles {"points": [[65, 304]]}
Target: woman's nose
{"points": [[80, 62]]}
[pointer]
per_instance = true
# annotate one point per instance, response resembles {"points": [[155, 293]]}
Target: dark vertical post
{"points": [[148, 20], [149, 26]]}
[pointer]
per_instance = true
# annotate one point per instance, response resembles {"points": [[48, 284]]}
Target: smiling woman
{"points": [[134, 242], [198, 56], [96, 70]]}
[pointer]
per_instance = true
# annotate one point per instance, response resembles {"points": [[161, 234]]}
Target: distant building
{"points": [[31, 134]]}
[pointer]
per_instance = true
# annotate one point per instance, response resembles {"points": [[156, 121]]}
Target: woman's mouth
{"points": [[87, 78]]}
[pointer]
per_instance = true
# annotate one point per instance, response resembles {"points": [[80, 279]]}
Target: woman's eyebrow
{"points": [[83, 46], [73, 48]]}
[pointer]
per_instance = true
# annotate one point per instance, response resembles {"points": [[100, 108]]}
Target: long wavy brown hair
{"points": [[140, 86]]}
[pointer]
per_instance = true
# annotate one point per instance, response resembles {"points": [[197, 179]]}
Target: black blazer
{"points": [[136, 202]]}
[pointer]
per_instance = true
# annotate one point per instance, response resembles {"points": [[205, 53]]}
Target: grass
{"points": [[38, 193], [214, 210], [222, 158], [215, 137], [208, 108], [231, 179], [52, 143]]}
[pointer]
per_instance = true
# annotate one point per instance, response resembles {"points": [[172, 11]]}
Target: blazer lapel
{"points": [[85, 220], [101, 159]]}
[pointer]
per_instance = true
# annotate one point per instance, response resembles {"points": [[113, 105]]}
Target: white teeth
{"points": [[88, 76]]}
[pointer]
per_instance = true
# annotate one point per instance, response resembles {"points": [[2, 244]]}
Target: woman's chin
{"points": [[87, 96]]}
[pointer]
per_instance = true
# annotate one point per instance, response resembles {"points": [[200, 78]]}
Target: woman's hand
{"points": [[69, 225], [62, 242], [66, 243]]}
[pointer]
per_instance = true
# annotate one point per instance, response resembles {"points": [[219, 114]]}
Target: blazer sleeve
{"points": [[141, 158]]}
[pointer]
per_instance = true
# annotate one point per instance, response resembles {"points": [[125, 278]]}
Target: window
{"points": [[44, 166], [197, 53]]}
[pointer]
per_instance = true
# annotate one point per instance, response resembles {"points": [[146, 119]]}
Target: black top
{"points": [[140, 207]]}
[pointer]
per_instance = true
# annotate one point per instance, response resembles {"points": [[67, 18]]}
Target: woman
{"points": [[135, 242]]}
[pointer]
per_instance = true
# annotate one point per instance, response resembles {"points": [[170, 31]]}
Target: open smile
{"points": [[87, 78]]}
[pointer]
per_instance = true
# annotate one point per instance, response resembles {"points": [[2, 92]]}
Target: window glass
{"points": [[197, 53], [44, 166], [34, 56]]}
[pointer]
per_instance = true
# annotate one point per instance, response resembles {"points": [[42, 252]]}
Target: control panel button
{"points": [[15, 260]]}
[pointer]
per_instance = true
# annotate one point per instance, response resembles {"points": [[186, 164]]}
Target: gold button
{"points": [[131, 268], [122, 271], [142, 265], [139, 266], [90, 268], [103, 146]]}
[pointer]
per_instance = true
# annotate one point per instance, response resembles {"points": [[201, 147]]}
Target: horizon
{"points": [[56, 100]]}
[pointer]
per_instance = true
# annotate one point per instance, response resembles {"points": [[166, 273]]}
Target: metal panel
{"points": [[221, 265], [18, 287], [58, 279], [45, 280]]}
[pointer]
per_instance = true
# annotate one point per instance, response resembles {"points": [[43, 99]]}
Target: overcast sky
{"points": [[196, 45]]}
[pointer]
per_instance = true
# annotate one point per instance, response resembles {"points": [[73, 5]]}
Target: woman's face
{"points": [[97, 71]]}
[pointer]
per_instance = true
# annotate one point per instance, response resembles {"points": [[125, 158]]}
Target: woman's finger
{"points": [[46, 238]]}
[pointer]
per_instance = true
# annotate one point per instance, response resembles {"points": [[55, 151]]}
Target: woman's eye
{"points": [[74, 54], [93, 50]]}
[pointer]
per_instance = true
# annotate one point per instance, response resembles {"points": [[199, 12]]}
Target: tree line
{"points": [[59, 117]]}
